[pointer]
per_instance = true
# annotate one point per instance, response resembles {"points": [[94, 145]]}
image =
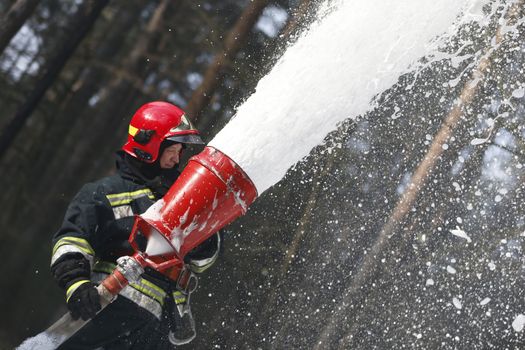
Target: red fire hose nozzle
{"points": [[128, 270], [211, 192]]}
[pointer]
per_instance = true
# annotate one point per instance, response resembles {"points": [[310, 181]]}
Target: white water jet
{"points": [[332, 73]]}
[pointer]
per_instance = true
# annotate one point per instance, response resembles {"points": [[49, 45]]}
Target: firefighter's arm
{"points": [[204, 256], [86, 213], [73, 253]]}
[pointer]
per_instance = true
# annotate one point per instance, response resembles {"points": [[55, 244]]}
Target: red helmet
{"points": [[155, 122]]}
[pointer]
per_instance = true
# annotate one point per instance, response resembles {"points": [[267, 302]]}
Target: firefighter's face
{"points": [[171, 156]]}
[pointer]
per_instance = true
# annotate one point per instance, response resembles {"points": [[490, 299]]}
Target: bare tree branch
{"points": [[84, 20]]}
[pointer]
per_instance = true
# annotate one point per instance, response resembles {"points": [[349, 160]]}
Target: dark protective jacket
{"points": [[97, 225]]}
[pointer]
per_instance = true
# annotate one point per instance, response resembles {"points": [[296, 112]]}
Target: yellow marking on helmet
{"points": [[132, 130]]}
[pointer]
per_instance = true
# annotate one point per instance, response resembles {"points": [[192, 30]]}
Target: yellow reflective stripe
{"points": [[129, 194], [148, 292], [132, 130], [74, 287], [199, 266], [201, 269], [117, 199], [122, 202], [104, 266], [179, 297], [80, 243], [153, 286]]}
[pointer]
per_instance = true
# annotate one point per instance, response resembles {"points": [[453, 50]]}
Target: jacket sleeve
{"points": [[87, 213], [204, 256]]}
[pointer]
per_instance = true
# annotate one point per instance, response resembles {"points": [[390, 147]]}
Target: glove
{"points": [[84, 301], [70, 268], [72, 273]]}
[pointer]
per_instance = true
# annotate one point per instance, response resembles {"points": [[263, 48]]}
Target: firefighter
{"points": [[153, 313]]}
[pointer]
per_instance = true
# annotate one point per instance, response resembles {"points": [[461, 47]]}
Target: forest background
{"points": [[405, 229]]}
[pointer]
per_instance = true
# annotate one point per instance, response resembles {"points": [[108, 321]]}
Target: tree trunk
{"points": [[403, 254], [369, 266], [118, 98], [24, 197], [14, 19], [83, 21], [68, 132], [213, 75], [132, 94]]}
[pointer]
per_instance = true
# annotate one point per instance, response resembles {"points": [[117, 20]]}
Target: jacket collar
{"points": [[151, 175]]}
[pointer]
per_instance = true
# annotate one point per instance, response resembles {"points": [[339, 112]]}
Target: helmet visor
{"points": [[184, 125], [188, 138], [185, 132]]}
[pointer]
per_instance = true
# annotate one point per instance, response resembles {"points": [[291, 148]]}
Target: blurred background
{"points": [[405, 229]]}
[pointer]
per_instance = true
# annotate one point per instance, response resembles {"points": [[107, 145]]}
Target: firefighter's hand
{"points": [[70, 268], [72, 271], [83, 300]]}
